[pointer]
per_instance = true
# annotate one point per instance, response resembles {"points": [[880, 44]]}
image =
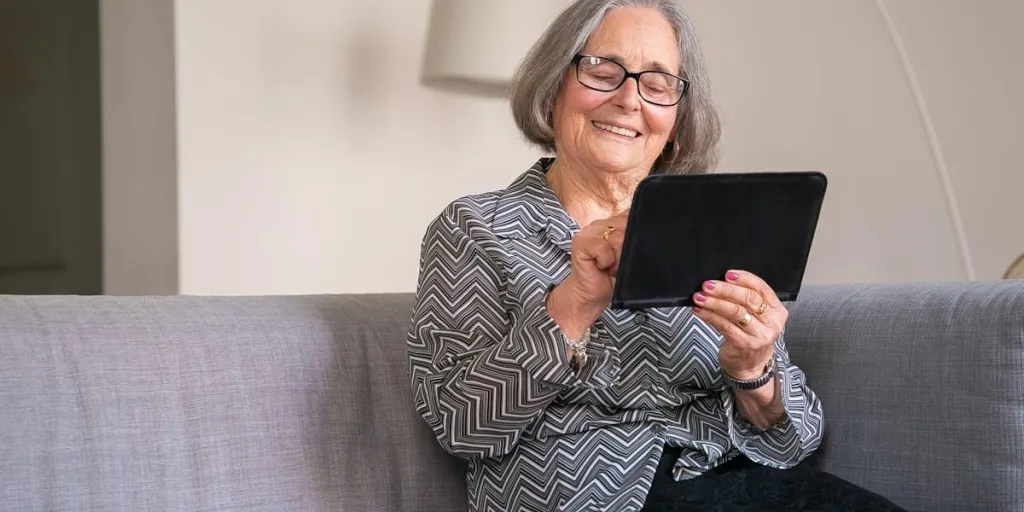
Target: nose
{"points": [[628, 95]]}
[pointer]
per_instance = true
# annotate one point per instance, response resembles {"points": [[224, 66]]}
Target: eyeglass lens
{"points": [[607, 75]]}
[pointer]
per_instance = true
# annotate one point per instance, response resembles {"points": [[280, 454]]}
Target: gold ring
{"points": [[607, 232], [742, 322], [762, 308]]}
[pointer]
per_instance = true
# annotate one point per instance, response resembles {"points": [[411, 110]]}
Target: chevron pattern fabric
{"points": [[491, 378]]}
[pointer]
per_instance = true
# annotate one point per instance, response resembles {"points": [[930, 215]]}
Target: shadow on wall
{"points": [[366, 79]]}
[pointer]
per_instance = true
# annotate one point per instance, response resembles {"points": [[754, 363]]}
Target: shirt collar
{"points": [[528, 206]]}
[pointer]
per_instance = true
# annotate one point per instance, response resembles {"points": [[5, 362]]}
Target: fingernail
{"points": [[697, 310], [732, 276], [710, 285], [700, 297]]}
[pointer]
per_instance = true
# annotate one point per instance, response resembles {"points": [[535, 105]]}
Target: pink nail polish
{"points": [[732, 276], [710, 285], [700, 298]]}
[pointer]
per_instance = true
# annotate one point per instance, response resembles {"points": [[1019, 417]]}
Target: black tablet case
{"points": [[685, 229]]}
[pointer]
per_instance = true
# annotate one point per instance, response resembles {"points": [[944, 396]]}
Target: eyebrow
{"points": [[654, 65]]}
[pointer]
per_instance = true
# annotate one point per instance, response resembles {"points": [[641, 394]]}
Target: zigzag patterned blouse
{"points": [[491, 376]]}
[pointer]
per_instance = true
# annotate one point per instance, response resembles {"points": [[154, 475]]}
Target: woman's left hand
{"points": [[748, 315]]}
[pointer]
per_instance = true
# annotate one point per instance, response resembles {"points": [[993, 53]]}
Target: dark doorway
{"points": [[50, 147]]}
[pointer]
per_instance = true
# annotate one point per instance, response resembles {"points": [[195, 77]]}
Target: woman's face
{"points": [[585, 120]]}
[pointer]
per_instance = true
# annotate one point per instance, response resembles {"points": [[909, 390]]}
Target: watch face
{"points": [[1016, 270]]}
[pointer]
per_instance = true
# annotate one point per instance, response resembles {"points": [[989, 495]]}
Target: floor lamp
{"points": [[474, 46], [1016, 270]]}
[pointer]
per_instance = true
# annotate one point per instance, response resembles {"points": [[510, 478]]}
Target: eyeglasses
{"points": [[606, 75]]}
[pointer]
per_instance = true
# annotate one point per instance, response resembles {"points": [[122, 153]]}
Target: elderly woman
{"points": [[519, 366]]}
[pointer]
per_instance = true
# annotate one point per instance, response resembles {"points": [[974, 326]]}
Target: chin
{"points": [[618, 165], [616, 158]]}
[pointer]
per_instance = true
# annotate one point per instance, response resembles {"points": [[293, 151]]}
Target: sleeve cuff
{"points": [[775, 446], [537, 344]]}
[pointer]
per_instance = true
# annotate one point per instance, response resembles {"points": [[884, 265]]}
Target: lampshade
{"points": [[474, 46]]}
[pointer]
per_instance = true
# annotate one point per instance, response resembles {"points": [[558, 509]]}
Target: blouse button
{"points": [[640, 318]]}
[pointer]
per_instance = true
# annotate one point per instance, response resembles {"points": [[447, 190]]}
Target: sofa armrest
{"points": [[923, 389]]}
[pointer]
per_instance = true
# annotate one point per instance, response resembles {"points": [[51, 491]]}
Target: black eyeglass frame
{"points": [[626, 75]]}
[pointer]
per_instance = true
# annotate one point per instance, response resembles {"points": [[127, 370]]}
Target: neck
{"points": [[588, 195]]}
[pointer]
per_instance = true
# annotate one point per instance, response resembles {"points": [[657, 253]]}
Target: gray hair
{"points": [[693, 149]]}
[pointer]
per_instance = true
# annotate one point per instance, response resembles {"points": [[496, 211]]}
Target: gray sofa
{"points": [[301, 403]]}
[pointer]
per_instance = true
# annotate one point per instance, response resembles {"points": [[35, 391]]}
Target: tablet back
{"points": [[685, 229]]}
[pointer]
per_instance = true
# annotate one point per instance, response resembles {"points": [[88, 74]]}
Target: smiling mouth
{"points": [[616, 130]]}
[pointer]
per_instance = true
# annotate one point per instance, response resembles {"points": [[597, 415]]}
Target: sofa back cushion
{"points": [[923, 389], [190, 403]]}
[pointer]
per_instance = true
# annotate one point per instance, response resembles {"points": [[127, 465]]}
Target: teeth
{"points": [[615, 129]]}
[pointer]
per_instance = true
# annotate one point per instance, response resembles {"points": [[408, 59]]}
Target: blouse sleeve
{"points": [[481, 374], [789, 442]]}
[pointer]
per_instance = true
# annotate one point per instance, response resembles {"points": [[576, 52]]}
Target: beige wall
{"points": [[969, 58], [310, 159], [908, 105]]}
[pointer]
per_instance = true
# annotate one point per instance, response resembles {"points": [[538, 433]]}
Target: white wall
{"points": [[969, 58], [310, 159], [895, 100], [310, 156]]}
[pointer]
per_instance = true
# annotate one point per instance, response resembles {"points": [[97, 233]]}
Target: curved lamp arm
{"points": [[1016, 270]]}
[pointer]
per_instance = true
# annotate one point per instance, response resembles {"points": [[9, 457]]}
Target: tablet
{"points": [[685, 229]]}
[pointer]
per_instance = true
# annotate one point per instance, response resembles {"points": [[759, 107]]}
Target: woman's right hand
{"points": [[579, 300]]}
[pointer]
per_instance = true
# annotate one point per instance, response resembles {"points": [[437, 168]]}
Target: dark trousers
{"points": [[743, 485]]}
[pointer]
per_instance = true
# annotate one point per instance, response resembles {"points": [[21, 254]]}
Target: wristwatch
{"points": [[748, 385]]}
